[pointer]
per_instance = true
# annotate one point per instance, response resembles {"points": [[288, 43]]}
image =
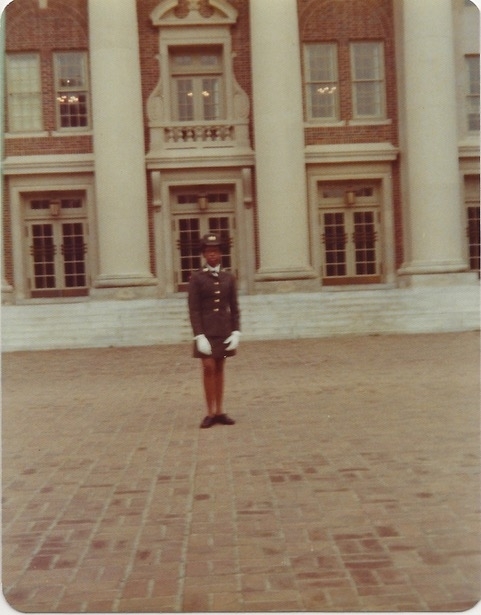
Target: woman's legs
{"points": [[213, 376]]}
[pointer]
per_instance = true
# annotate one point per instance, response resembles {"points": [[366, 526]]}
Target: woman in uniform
{"points": [[215, 318]]}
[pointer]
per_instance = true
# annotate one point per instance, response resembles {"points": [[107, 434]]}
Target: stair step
{"points": [[280, 316]]}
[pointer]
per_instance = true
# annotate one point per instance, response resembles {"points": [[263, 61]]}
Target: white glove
{"points": [[203, 344], [233, 340]]}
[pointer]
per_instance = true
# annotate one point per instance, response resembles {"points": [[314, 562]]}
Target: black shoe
{"points": [[223, 419], [208, 422]]}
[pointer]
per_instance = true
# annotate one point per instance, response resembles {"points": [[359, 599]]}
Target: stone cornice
{"points": [[236, 157], [468, 148], [351, 152], [50, 163]]}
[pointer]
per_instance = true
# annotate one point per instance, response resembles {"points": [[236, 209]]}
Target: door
{"points": [[56, 246], [189, 229], [350, 235], [471, 187]]}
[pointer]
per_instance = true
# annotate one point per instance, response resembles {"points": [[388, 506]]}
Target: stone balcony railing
{"points": [[188, 135], [166, 135]]}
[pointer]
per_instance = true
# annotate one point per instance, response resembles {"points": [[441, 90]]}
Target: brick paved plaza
{"points": [[349, 483]]}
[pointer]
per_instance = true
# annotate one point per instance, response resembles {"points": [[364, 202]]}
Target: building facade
{"points": [[332, 144]]}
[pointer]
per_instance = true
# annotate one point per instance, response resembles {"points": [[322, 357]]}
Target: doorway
{"points": [[195, 214]]}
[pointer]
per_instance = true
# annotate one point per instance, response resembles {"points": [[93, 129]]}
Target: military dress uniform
{"points": [[213, 309]]}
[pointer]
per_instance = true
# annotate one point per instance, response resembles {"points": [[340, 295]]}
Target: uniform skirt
{"points": [[218, 349]]}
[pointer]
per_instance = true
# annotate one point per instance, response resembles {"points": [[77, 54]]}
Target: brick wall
{"points": [[344, 21], [149, 49], [62, 26]]}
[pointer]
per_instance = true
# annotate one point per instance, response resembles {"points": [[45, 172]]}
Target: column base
{"points": [[7, 294], [135, 286], [413, 280], [302, 279]]}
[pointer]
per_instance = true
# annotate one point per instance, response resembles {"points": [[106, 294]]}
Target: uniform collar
{"points": [[213, 270]]}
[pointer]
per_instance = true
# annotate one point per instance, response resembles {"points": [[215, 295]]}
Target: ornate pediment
{"points": [[167, 13]]}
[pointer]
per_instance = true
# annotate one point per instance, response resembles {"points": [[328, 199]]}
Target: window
{"points": [[71, 90], [321, 81], [56, 231], [197, 84], [24, 93], [367, 73], [472, 94]]}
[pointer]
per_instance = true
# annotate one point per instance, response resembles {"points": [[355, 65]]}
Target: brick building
{"points": [[334, 144]]}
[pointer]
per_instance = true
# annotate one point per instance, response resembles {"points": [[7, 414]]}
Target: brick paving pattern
{"points": [[350, 481]]}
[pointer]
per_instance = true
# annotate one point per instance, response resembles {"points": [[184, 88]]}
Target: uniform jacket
{"points": [[213, 304]]}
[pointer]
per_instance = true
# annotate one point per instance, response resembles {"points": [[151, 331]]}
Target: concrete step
{"points": [[279, 316]]}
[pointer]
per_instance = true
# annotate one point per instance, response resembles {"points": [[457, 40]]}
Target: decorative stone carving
{"points": [[241, 102], [178, 23], [155, 105], [165, 13]]}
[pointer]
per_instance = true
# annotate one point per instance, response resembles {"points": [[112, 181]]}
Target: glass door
{"points": [[350, 235], [56, 247], [194, 214]]}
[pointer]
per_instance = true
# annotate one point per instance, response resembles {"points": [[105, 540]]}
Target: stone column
{"points": [[7, 290], [120, 177], [432, 191], [279, 141]]}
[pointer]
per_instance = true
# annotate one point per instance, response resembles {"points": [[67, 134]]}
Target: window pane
{"points": [[73, 110], [24, 93], [71, 203], [473, 115], [185, 100], [322, 63], [366, 61], [473, 74], [210, 95], [188, 244], [367, 80], [474, 237], [43, 256], [321, 80], [72, 94], [472, 98], [187, 199], [183, 60], [323, 101], [70, 70], [23, 75], [73, 250], [334, 239], [196, 78], [209, 60], [367, 99], [365, 243], [221, 227], [40, 204]]}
